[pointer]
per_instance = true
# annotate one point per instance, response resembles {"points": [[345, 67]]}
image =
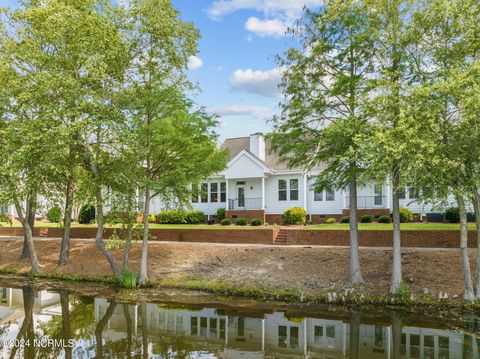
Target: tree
{"points": [[387, 144], [174, 143], [326, 84], [448, 114]]}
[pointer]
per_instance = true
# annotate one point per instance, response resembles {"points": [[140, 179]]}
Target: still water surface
{"points": [[51, 324]]}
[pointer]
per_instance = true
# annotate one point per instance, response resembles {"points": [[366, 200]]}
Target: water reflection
{"points": [[85, 327]]}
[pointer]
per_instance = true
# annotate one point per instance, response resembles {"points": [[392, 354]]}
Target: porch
{"points": [[245, 194]]}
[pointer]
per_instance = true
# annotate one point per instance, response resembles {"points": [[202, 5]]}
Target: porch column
{"points": [[226, 195], [305, 191], [263, 193]]}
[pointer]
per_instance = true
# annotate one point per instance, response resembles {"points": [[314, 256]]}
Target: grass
{"points": [[389, 226], [335, 226], [39, 224]]}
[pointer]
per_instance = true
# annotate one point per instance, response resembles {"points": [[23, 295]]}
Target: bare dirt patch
{"points": [[303, 268]]}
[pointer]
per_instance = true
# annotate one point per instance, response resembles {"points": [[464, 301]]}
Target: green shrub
{"points": [[405, 215], [54, 215], [152, 218], [309, 221], [195, 217], [220, 213], [295, 215], [5, 219], [129, 278], [180, 216], [256, 222], [452, 215], [384, 219], [87, 214], [225, 222], [330, 220], [242, 222], [366, 218], [345, 219]]}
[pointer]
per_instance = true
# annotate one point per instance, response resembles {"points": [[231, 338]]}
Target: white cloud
{"points": [[259, 82], [194, 63], [259, 112], [289, 8], [262, 28]]}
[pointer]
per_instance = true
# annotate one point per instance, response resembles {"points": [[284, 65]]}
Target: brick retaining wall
{"points": [[368, 238], [249, 214], [372, 238]]}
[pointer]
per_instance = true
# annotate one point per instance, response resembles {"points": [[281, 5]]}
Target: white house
{"points": [[256, 184]]}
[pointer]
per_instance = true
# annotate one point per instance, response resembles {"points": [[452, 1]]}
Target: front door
{"points": [[241, 196]]}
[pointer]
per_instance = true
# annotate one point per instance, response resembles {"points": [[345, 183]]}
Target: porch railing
{"points": [[368, 202], [245, 204]]}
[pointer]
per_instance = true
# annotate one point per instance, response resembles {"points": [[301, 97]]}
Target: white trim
{"points": [[263, 192]]}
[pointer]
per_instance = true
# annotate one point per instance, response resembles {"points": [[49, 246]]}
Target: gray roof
{"points": [[237, 144]]}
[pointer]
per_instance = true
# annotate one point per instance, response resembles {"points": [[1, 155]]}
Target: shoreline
{"points": [[298, 275]]}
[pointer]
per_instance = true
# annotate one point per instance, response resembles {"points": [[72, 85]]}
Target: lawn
{"points": [[39, 224], [389, 226]]}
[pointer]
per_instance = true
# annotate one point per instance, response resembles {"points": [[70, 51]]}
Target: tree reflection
{"points": [[101, 326], [396, 335], [26, 332], [355, 320]]}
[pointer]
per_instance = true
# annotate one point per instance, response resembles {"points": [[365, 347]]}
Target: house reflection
{"points": [[274, 335]]}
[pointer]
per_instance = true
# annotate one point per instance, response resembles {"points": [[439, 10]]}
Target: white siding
{"points": [[324, 206], [244, 167], [273, 205]]}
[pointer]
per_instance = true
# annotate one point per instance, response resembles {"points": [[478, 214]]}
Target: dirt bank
{"points": [[307, 269]]}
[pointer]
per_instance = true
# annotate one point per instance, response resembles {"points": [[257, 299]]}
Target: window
{"points": [[213, 192], [293, 337], [428, 347], [213, 327], [414, 346], [204, 193], [282, 190], [401, 193], [443, 347], [413, 193], [294, 189], [223, 191], [194, 326], [329, 195], [330, 332], [378, 199], [241, 327], [195, 193], [282, 336], [317, 335], [317, 195]]}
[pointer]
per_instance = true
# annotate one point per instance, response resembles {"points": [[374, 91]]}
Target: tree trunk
{"points": [[396, 279], [30, 212], [468, 293], [396, 336], [101, 326], [66, 327], [355, 321], [476, 207], [99, 236], [35, 266], [67, 223], [26, 331], [355, 271], [143, 261]]}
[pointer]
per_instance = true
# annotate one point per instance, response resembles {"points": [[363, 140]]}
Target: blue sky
{"points": [[235, 67]]}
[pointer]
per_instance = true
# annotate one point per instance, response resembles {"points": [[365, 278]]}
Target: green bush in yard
{"points": [[152, 218], [242, 222], [452, 215], [384, 219], [405, 215], [195, 217], [345, 219], [256, 222], [225, 222], [87, 214], [5, 219], [180, 216], [366, 218], [221, 213], [295, 215], [330, 220], [54, 215]]}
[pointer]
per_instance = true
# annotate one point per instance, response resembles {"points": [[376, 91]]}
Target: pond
{"points": [[39, 321]]}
